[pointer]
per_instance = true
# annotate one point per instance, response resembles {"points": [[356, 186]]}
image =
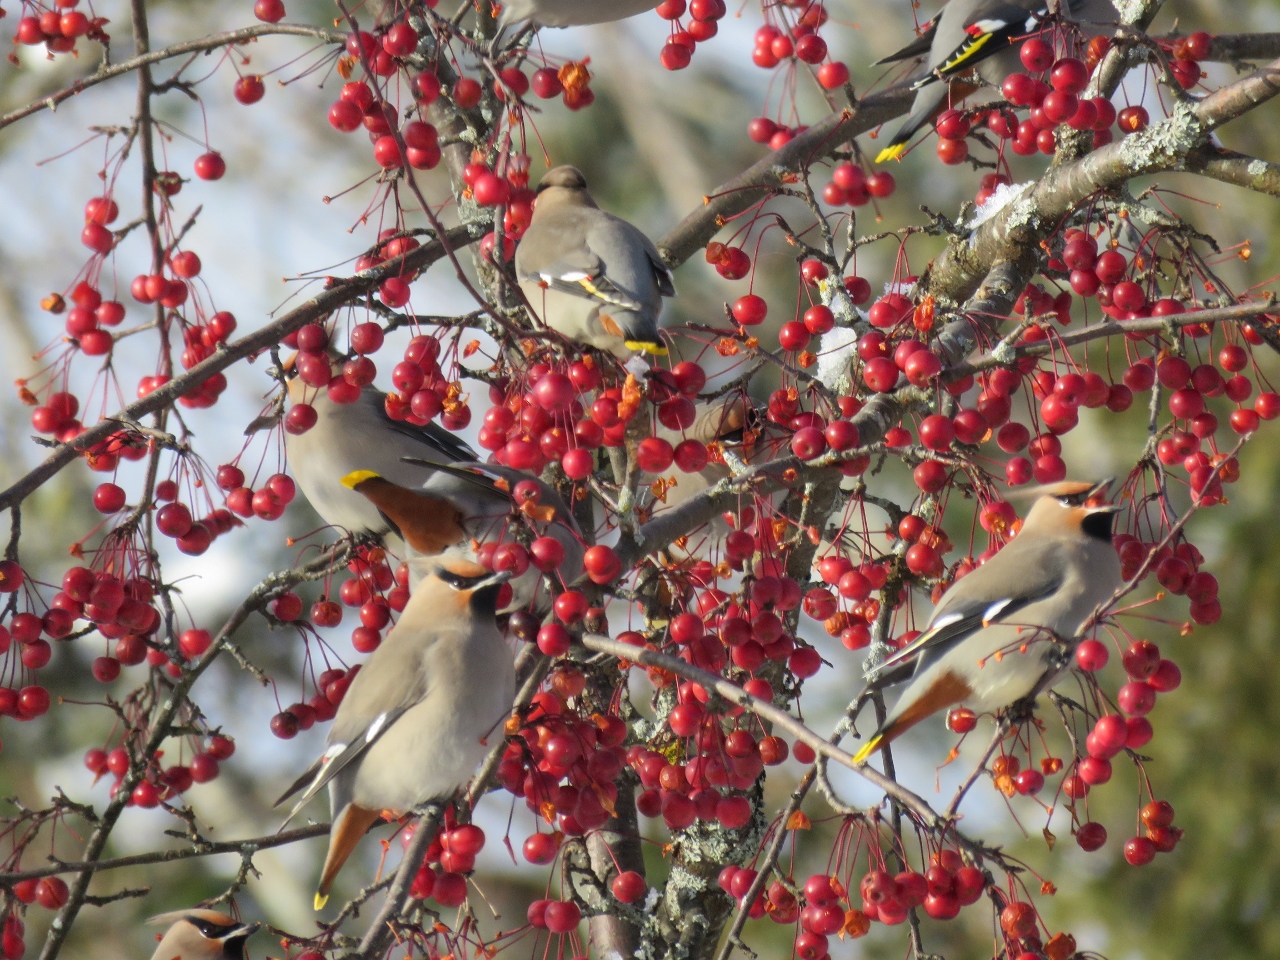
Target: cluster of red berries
{"points": [[800, 41], [160, 784], [451, 855], [59, 26], [704, 16], [509, 190], [565, 765], [331, 686]]}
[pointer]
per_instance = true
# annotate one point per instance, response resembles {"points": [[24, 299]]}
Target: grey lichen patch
{"points": [[1131, 11], [1164, 143], [692, 904]]}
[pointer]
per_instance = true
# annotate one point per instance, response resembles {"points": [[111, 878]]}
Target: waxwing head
{"points": [[199, 934], [1072, 506], [563, 185]]}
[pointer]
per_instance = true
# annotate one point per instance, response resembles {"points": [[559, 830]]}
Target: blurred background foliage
{"points": [[652, 146]]}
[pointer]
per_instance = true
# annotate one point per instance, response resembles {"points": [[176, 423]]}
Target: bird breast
{"points": [[435, 746]]}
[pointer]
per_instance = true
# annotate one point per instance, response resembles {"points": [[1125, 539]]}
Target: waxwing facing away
{"points": [[976, 33], [465, 506], [201, 935], [421, 713], [572, 13], [360, 436], [590, 276], [1007, 630]]}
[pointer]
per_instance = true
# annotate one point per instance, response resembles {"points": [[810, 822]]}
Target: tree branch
{"points": [[211, 42], [342, 292]]}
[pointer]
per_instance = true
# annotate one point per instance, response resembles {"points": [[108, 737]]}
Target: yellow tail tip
{"points": [[893, 151], [871, 746], [355, 478], [321, 900], [641, 346]]}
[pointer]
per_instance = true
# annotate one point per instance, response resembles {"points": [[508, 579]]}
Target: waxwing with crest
{"points": [[420, 714], [1008, 629], [199, 934]]}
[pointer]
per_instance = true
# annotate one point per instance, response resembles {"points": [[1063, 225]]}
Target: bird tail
{"points": [[946, 690], [895, 150], [645, 346], [868, 748], [349, 827]]}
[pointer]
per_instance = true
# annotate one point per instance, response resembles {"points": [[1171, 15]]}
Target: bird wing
{"points": [[499, 482], [579, 272], [989, 30], [351, 737], [431, 435], [1037, 569], [918, 47]]}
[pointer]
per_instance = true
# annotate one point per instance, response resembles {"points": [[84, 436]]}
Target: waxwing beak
{"points": [[498, 578], [243, 930]]}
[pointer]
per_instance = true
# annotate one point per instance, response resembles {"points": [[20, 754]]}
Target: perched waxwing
{"points": [[1008, 629], [201, 935], [590, 276], [976, 33], [572, 13], [356, 436], [421, 713], [465, 506]]}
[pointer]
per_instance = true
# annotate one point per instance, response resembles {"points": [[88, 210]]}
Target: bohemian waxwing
{"points": [[465, 506], [976, 33], [201, 935], [1008, 629], [590, 276], [572, 13], [421, 713]]}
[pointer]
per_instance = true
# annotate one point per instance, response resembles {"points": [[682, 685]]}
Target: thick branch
{"points": [[756, 182], [1015, 233], [1238, 169]]}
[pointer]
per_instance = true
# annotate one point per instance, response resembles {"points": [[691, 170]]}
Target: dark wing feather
{"points": [[432, 435], [661, 273], [991, 32], [954, 625], [919, 47]]}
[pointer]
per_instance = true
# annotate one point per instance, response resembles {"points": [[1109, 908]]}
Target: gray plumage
{"points": [[976, 33], [360, 436], [201, 935], [420, 714], [589, 275], [1008, 628]]}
